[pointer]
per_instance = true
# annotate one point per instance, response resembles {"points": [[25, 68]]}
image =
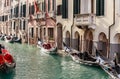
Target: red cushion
{"points": [[8, 58], [1, 60]]}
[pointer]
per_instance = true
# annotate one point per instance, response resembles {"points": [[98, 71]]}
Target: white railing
{"points": [[84, 19]]}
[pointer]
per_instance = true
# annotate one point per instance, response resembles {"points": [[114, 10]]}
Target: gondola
{"points": [[17, 40], [7, 63], [8, 39], [109, 67], [47, 48], [82, 58]]}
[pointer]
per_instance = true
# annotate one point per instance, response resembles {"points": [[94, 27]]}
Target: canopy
{"points": [[50, 22]]}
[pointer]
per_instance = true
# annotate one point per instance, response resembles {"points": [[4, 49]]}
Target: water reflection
{"points": [[9, 75]]}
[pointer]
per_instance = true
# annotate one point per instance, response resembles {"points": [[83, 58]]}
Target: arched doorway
{"points": [[116, 48], [88, 36], [102, 44], [77, 41], [59, 35], [67, 39]]}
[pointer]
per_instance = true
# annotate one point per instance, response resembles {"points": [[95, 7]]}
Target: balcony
{"points": [[85, 19]]}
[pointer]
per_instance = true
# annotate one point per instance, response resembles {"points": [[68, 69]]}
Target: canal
{"points": [[33, 64]]}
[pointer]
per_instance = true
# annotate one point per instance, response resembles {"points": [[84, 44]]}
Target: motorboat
{"points": [[47, 48]]}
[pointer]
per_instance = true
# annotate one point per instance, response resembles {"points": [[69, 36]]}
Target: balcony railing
{"points": [[84, 19]]}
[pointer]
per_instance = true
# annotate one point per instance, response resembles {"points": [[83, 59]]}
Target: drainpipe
{"points": [[72, 29], [109, 31]]}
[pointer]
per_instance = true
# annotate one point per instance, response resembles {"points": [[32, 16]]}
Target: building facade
{"points": [[86, 25]]}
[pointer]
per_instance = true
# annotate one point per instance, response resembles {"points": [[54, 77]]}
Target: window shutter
{"points": [[30, 11], [64, 8], [24, 10], [11, 12], [24, 25], [97, 7], [20, 24], [42, 6], [48, 5], [33, 9], [102, 7], [21, 12], [14, 26], [2, 18], [17, 11], [53, 3], [76, 7]]}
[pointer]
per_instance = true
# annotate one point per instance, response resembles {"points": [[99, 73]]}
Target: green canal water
{"points": [[31, 63]]}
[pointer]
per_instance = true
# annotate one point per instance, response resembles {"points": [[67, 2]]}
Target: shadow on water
{"points": [[9, 75]]}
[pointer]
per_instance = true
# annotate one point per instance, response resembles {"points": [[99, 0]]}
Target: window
{"points": [[42, 6], [32, 32], [21, 10], [64, 8], [76, 6], [11, 11], [32, 7], [20, 24], [59, 9], [24, 25], [99, 7], [14, 26], [53, 3], [17, 11], [49, 5], [2, 18], [24, 10], [30, 11], [50, 33]]}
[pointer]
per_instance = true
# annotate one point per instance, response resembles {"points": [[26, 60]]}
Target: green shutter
{"points": [[42, 6], [24, 10], [29, 9], [20, 24], [76, 6], [64, 8], [102, 7], [17, 11], [32, 9], [48, 5], [97, 7], [21, 10], [24, 25], [11, 12], [53, 3]]}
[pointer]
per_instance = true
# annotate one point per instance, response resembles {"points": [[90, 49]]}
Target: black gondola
{"points": [[82, 58]]}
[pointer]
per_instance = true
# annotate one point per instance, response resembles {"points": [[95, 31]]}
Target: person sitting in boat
{"points": [[0, 49], [85, 55]]}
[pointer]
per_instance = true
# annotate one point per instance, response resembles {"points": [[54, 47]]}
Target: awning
{"points": [[50, 22]]}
